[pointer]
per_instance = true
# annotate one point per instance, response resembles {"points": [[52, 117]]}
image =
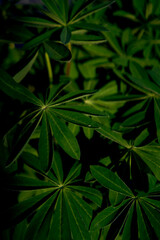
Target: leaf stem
{"points": [[49, 68], [68, 63]]}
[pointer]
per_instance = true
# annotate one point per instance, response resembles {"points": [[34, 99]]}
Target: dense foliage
{"points": [[80, 120]]}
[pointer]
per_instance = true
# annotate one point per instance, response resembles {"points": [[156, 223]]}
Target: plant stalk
{"points": [[49, 68], [69, 62]]}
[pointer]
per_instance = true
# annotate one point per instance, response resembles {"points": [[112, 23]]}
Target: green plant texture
{"points": [[80, 120]]}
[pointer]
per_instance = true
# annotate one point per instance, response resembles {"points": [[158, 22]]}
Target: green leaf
{"points": [[150, 155], [57, 167], [157, 116], [153, 202], [34, 42], [155, 75], [22, 141], [122, 13], [45, 145], [99, 50], [25, 70], [135, 119], [128, 224], [94, 9], [82, 108], [64, 136], [115, 197], [39, 219], [69, 97], [20, 182], [113, 135], [141, 78], [142, 137], [15, 90], [110, 180], [65, 35], [54, 7], [75, 117], [23, 209], [60, 228], [142, 228], [139, 6], [113, 42], [38, 22], [88, 132], [107, 216], [87, 39], [153, 216], [73, 173], [57, 89], [79, 7], [79, 214], [57, 51], [89, 26], [93, 194]]}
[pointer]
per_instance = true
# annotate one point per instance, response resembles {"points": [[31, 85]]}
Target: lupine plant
{"points": [[80, 120]]}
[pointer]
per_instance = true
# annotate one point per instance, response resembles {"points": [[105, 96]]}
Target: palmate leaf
{"points": [[132, 213], [51, 114], [55, 203]]}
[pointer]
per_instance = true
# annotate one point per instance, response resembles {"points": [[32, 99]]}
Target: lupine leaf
{"points": [[113, 135], [106, 216], [45, 145], [24, 71], [64, 136], [22, 142], [94, 9], [34, 42], [153, 216], [142, 228], [15, 90], [110, 180], [75, 117], [69, 97], [65, 35], [57, 51], [39, 219], [54, 8], [128, 224], [31, 21], [87, 39], [78, 216]]}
